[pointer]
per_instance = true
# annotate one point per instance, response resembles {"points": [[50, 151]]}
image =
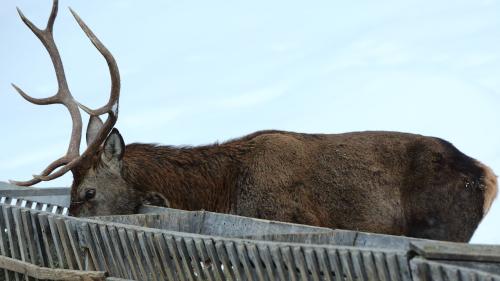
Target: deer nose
{"points": [[74, 208]]}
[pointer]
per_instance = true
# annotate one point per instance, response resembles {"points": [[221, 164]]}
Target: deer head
{"points": [[101, 189]]}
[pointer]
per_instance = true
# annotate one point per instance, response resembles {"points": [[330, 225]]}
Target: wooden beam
{"points": [[456, 251], [49, 273]]}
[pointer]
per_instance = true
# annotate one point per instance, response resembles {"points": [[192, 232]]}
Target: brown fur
{"points": [[491, 187], [386, 182]]}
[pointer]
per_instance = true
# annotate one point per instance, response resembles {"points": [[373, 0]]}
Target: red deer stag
{"points": [[386, 182]]}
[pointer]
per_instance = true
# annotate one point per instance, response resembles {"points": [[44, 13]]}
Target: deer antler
{"points": [[63, 96]]}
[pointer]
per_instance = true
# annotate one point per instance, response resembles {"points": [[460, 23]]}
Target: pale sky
{"points": [[196, 72]]}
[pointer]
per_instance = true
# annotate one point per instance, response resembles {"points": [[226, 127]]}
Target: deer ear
{"points": [[94, 126], [114, 147], [155, 199]]}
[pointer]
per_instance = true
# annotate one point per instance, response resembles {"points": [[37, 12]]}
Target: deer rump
{"points": [[384, 182]]}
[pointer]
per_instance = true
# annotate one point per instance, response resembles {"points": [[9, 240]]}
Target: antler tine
{"points": [[47, 39], [40, 34], [25, 183], [112, 105], [67, 167], [26, 21], [36, 179], [44, 101], [52, 17]]}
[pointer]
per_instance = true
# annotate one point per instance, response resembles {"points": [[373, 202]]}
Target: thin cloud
{"points": [[151, 118], [253, 98]]}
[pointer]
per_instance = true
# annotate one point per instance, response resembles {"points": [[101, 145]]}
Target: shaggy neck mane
{"points": [[191, 178]]}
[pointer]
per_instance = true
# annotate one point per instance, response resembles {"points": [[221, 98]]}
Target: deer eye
{"points": [[89, 194]]}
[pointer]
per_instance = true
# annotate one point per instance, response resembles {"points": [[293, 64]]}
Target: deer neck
{"points": [[190, 178]]}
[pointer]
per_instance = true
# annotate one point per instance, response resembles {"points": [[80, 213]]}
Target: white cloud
{"points": [[474, 60]]}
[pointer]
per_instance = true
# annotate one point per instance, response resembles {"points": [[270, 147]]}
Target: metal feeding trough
{"points": [[40, 243]]}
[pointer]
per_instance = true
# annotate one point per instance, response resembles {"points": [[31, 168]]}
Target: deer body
{"points": [[385, 182]]}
